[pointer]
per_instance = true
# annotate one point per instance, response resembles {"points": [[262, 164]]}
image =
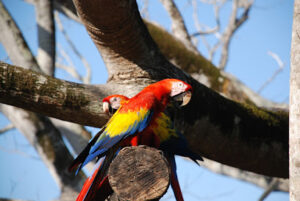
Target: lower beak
{"points": [[184, 97]]}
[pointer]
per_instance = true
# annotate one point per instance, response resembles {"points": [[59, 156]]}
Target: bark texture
{"points": [[139, 173], [138, 56], [295, 108], [239, 135], [38, 130], [217, 128]]}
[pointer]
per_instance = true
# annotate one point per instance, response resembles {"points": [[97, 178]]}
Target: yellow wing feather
{"points": [[123, 122]]}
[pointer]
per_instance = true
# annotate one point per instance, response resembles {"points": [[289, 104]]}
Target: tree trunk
{"points": [[295, 108]]}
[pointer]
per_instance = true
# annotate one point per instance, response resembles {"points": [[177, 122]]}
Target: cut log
{"points": [[139, 173]]}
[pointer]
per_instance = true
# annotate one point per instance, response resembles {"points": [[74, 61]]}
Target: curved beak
{"points": [[184, 97], [106, 107]]}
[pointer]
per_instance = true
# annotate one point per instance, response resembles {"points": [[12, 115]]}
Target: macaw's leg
{"points": [[174, 180], [134, 141]]}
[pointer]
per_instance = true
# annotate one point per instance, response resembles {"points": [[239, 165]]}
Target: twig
{"points": [[144, 11], [178, 27], [271, 187], [233, 25], [87, 78], [70, 68], [6, 128], [281, 67], [208, 30], [21, 153]]}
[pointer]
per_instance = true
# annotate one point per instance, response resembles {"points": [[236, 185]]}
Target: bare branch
{"points": [[217, 5], [277, 72], [230, 86], [7, 128], [87, 78], [257, 179], [14, 43], [15, 151], [47, 142], [70, 68], [178, 27], [38, 130], [269, 190], [65, 100], [46, 36], [144, 10], [233, 25]]}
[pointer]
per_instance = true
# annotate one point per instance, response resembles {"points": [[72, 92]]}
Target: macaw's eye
{"points": [[180, 84]]}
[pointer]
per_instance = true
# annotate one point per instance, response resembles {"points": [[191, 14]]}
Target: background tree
{"points": [[143, 60]]}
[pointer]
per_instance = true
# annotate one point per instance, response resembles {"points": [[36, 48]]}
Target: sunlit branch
{"points": [[6, 128], [277, 72], [87, 78], [178, 26]]}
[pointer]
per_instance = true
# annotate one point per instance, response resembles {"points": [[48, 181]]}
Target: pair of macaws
{"points": [[140, 120]]}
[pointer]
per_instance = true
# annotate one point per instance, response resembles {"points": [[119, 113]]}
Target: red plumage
{"points": [[153, 100]]}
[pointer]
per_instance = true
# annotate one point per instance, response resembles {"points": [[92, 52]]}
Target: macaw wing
{"points": [[120, 126], [178, 145], [172, 141], [84, 153]]}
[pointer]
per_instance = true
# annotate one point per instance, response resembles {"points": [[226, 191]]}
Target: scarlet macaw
{"points": [[172, 144], [138, 116]]}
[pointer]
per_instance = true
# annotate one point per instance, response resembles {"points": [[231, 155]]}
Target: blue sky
{"points": [[24, 176]]}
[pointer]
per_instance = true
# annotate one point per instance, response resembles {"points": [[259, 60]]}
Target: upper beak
{"points": [[185, 97], [106, 107]]}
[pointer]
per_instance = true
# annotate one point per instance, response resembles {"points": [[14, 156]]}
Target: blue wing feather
{"points": [[99, 148]]}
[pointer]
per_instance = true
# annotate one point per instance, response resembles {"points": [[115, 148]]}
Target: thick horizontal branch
{"points": [[238, 135], [52, 97], [195, 64]]}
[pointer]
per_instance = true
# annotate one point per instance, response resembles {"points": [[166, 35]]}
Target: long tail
{"points": [[174, 180], [78, 161], [97, 186]]}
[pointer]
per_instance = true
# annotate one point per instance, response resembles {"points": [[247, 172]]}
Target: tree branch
{"points": [[10, 36], [178, 27], [209, 120], [210, 117], [233, 25], [279, 70], [271, 187], [37, 129], [46, 36], [7, 128], [87, 78], [194, 64], [257, 179]]}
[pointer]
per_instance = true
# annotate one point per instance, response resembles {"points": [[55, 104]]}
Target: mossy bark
{"points": [[236, 134]]}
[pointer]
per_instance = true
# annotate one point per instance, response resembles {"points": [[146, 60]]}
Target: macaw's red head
{"points": [[174, 89], [112, 103]]}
